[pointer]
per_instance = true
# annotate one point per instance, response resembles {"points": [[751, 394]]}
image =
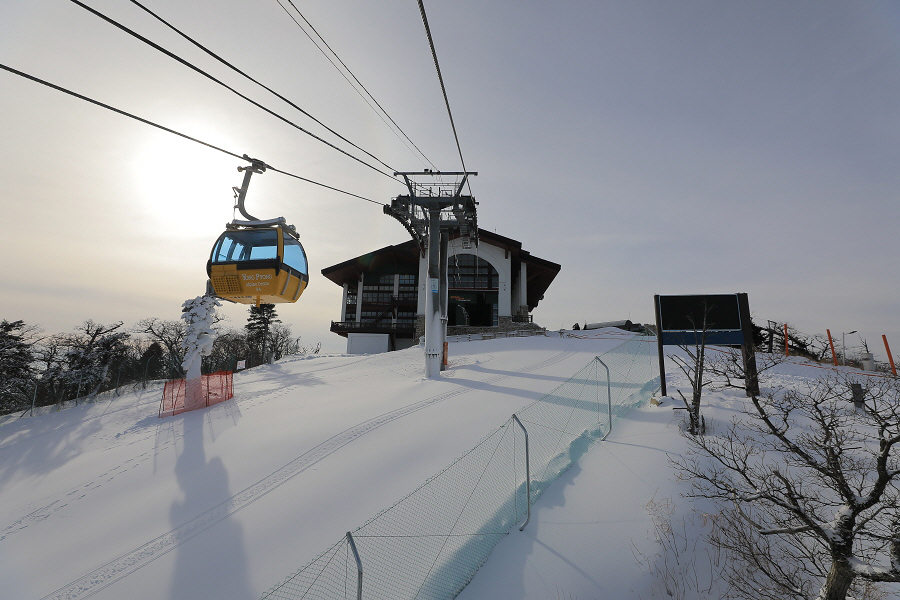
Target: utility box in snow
{"points": [[868, 361], [368, 343]]}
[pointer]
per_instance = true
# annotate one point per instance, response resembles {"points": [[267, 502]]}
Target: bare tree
{"points": [[169, 334], [727, 367], [815, 347], [807, 484], [693, 366]]}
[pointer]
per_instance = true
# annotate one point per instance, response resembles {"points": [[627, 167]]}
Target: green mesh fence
{"points": [[429, 545]]}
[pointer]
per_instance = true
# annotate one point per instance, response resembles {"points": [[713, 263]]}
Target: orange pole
{"points": [[787, 352], [890, 356], [831, 341]]}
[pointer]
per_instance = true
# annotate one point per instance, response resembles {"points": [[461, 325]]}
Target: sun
{"points": [[181, 186]]}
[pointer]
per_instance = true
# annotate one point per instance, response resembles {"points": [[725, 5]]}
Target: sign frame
{"points": [[676, 313]]}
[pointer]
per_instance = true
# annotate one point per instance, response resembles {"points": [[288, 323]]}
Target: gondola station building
{"points": [[492, 287]]}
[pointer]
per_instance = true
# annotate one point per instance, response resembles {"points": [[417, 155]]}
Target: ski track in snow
{"points": [[104, 576], [60, 501]]}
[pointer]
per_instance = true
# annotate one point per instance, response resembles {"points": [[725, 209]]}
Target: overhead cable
{"points": [[262, 85], [187, 137], [348, 71], [226, 86], [441, 80]]}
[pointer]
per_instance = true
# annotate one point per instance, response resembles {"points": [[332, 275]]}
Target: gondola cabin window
{"points": [[247, 245], [294, 256]]}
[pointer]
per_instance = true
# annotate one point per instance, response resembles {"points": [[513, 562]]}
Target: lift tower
{"points": [[431, 212]]}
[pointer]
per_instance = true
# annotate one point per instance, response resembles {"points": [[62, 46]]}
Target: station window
{"points": [[467, 271]]}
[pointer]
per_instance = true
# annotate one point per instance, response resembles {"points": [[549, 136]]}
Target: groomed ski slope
{"points": [[107, 501]]}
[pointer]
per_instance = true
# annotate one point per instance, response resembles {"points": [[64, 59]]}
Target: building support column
{"points": [[396, 295], [359, 302], [523, 289]]}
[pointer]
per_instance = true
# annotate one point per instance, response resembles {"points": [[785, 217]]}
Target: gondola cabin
{"points": [[258, 262]]}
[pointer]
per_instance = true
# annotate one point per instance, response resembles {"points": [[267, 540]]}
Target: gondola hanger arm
{"points": [[256, 166]]}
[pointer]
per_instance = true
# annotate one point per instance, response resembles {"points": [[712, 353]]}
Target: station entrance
{"points": [[472, 292]]}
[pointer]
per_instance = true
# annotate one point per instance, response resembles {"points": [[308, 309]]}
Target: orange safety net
{"points": [[216, 387]]}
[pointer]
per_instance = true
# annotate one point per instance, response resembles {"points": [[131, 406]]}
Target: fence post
{"points": [[359, 569], [527, 474], [890, 357], [831, 343], [118, 377], [34, 398], [608, 398]]}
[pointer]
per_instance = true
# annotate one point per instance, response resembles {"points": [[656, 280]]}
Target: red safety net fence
{"points": [[216, 387]]}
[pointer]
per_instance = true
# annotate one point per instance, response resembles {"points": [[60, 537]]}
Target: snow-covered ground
{"points": [[108, 501]]}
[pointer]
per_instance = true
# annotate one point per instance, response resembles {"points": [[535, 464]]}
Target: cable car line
{"points": [[262, 85], [225, 85], [441, 80], [348, 71], [167, 129]]}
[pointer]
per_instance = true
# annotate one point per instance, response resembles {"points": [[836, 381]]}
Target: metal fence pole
{"points": [[527, 474], [608, 398], [34, 398], [118, 377], [359, 569]]}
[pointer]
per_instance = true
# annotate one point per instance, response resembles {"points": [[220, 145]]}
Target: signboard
{"points": [[710, 320], [682, 319]]}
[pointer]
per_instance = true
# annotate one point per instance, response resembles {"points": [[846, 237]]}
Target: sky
{"points": [[647, 147]]}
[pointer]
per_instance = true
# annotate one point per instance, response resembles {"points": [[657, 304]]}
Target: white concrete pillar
{"points": [[523, 286]]}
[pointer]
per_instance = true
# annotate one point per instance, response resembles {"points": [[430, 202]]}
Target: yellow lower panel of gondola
{"points": [[255, 286]]}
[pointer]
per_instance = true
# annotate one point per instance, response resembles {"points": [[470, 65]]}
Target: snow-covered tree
{"points": [[16, 358], [808, 487], [199, 314]]}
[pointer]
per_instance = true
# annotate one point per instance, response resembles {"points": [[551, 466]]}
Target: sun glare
{"points": [[181, 186]]}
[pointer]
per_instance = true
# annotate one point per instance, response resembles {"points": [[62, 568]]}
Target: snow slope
{"points": [[108, 501]]}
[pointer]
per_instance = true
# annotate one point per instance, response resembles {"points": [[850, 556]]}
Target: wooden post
{"points": [[831, 342], [787, 352], [890, 356], [748, 349], [659, 346]]}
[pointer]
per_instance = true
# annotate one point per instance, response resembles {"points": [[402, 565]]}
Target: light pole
{"points": [[843, 346]]}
